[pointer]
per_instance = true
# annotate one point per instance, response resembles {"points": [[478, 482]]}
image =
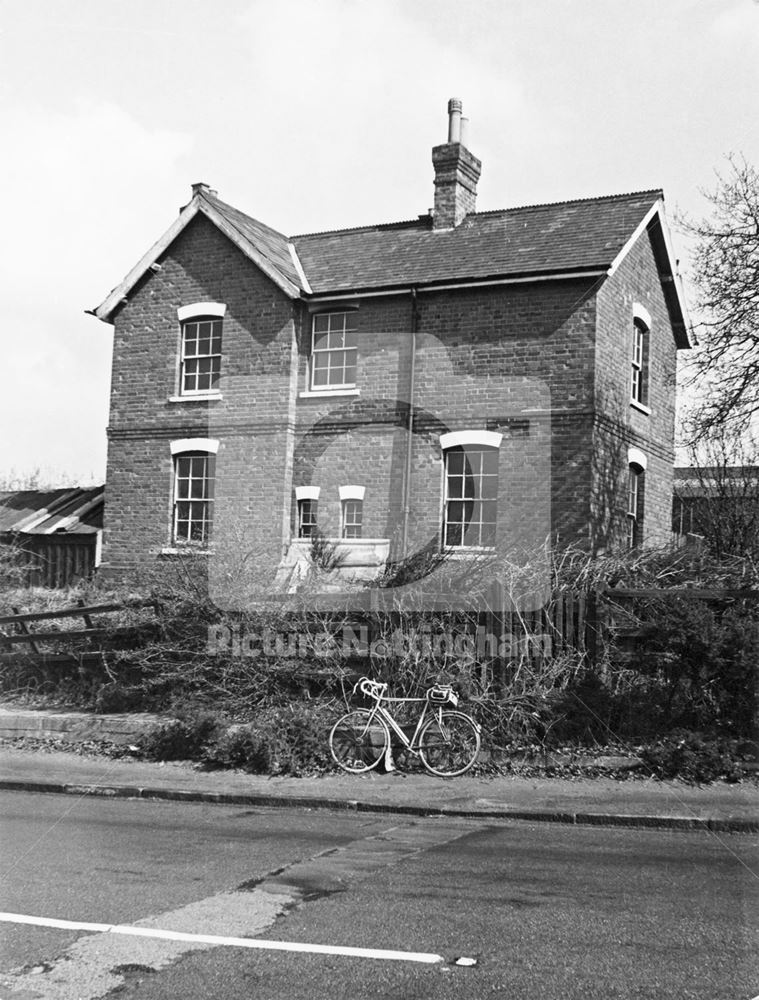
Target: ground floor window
{"points": [[353, 516], [194, 474], [307, 513], [471, 496], [634, 506]]}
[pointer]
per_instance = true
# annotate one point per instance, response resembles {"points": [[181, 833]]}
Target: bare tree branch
{"points": [[726, 274]]}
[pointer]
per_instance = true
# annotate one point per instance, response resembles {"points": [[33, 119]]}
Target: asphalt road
{"points": [[547, 911]]}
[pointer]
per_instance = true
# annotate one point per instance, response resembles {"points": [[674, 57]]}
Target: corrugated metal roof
{"points": [[72, 510]]}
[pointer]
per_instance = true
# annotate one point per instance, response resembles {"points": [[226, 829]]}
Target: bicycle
{"points": [[445, 740]]}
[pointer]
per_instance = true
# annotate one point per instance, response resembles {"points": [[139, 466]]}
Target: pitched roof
{"points": [[263, 240], [586, 236], [572, 236], [726, 481], [72, 510], [267, 248]]}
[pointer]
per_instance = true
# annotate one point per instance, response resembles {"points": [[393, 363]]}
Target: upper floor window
{"points": [[334, 351], [200, 356], [470, 499], [639, 360]]}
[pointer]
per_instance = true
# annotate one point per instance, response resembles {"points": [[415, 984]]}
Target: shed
{"points": [[58, 531]]}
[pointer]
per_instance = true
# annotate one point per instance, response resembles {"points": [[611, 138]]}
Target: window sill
{"points": [[327, 393], [467, 551], [334, 540], [183, 551], [196, 397], [641, 407]]}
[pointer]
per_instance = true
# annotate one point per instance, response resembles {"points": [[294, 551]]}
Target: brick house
{"points": [[474, 381]]}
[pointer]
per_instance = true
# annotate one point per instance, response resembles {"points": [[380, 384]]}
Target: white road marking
{"points": [[426, 958]]}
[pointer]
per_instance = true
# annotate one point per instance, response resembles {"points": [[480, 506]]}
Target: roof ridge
{"points": [[573, 201], [492, 211], [419, 221]]}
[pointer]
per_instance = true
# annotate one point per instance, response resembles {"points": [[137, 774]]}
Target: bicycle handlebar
{"points": [[372, 689]]}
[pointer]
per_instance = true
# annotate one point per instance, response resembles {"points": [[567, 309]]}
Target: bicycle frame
{"points": [[390, 721]]}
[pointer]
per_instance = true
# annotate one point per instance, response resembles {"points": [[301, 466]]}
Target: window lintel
{"points": [[210, 445], [307, 492], [455, 439], [641, 315], [636, 457], [195, 309]]}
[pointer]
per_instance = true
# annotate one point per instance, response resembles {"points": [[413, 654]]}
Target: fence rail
{"points": [[23, 635]]}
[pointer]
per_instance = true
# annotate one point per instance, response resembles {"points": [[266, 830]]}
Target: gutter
{"points": [[451, 286]]}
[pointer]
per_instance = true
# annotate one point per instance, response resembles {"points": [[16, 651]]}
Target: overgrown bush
{"points": [[694, 757], [180, 739], [698, 664], [288, 740]]}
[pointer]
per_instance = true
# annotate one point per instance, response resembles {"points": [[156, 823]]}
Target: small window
{"points": [[334, 351], [634, 506], [201, 355], [471, 496], [639, 363], [194, 474], [353, 517], [307, 511]]}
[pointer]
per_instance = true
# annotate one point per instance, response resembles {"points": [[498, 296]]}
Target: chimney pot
{"points": [[454, 120]]}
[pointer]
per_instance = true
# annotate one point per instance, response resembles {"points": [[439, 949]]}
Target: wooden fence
{"points": [[15, 630]]}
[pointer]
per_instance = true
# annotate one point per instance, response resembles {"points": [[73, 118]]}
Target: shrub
{"points": [[699, 664], [694, 757], [179, 739], [240, 746]]}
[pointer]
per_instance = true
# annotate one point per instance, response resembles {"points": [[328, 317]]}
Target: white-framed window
{"points": [[200, 349], [351, 511], [201, 356], [307, 499], [639, 358], [334, 351], [634, 506], [194, 478], [470, 489], [636, 479], [352, 518], [308, 510]]}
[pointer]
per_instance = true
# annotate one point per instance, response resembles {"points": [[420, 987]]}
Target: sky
{"points": [[313, 115]]}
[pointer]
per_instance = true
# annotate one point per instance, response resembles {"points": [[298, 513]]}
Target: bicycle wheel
{"points": [[449, 743], [357, 742]]}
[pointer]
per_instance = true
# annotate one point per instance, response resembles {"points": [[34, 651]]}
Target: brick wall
{"points": [[517, 359], [253, 419], [621, 425]]}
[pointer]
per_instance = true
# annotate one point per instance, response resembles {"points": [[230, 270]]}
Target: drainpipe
{"points": [[410, 424]]}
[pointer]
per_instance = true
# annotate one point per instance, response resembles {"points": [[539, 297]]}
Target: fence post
{"points": [[24, 628]]}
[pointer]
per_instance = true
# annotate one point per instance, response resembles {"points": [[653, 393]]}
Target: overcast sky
{"points": [[312, 115]]}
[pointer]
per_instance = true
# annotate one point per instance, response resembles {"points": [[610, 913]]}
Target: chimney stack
{"points": [[456, 173]]}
